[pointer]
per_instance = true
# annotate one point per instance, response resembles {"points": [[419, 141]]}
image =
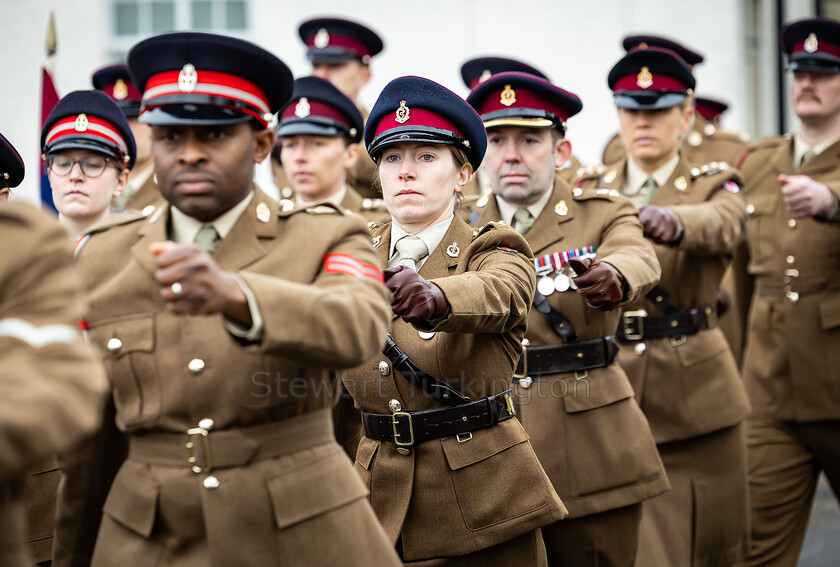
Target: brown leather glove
{"points": [[722, 302], [660, 223], [416, 299], [599, 282]]}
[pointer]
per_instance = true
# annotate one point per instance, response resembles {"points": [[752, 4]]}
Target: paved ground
{"points": [[822, 543]]}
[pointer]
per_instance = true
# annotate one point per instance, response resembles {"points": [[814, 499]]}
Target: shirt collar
{"points": [[185, 228], [800, 146], [336, 198], [636, 176], [507, 210], [430, 236]]}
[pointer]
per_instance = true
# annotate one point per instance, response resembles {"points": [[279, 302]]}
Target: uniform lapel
{"points": [[458, 236], [246, 241], [783, 160], [824, 162], [559, 209], [676, 188], [154, 230]]}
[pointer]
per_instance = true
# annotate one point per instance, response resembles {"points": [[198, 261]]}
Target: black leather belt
{"points": [[638, 325], [561, 359], [406, 429]]}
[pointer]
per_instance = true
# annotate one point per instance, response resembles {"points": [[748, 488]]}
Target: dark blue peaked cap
{"points": [[11, 164], [335, 40], [206, 79], [476, 71], [89, 120], [414, 109], [812, 45], [320, 109], [115, 81]]}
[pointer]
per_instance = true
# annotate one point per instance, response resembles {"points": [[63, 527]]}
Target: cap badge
{"points": [[680, 183], [561, 208], [644, 79], [811, 43], [263, 213], [643, 45], [120, 90], [508, 96], [187, 78], [486, 74], [81, 123], [452, 250], [302, 108], [402, 113], [322, 38]]}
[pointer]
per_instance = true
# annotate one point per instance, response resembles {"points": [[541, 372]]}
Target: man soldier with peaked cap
{"points": [[11, 168], [141, 191], [790, 279], [476, 71], [677, 359], [222, 321], [705, 142], [51, 384], [576, 402], [340, 52]]}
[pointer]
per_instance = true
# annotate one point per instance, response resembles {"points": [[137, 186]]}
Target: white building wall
{"points": [[574, 41]]}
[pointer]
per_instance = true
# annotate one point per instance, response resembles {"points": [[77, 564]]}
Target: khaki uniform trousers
{"points": [[524, 551], [785, 460], [703, 520], [606, 539]]}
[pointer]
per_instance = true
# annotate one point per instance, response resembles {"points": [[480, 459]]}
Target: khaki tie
{"points": [[208, 238], [523, 220], [806, 157], [411, 250]]}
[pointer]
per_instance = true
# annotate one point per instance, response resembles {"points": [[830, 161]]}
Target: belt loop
{"points": [[493, 409]]}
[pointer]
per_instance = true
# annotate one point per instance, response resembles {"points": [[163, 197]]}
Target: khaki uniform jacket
{"points": [[704, 144], [172, 372], [691, 388], [448, 498], [53, 387], [575, 423], [790, 276]]}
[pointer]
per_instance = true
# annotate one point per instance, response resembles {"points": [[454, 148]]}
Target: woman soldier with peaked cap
{"points": [[671, 347], [452, 475]]}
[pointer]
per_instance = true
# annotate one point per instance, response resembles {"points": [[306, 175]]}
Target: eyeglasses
{"points": [[93, 166]]}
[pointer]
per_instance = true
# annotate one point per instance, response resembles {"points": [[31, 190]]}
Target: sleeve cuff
{"points": [[255, 332]]}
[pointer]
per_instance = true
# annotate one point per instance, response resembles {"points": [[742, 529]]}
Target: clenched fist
{"points": [[599, 282], [416, 299]]}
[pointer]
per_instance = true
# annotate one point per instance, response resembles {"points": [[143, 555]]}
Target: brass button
{"points": [[425, 336], [403, 451], [792, 223], [525, 382], [792, 273], [206, 424], [211, 483], [639, 349], [384, 369], [394, 406], [792, 296], [147, 210], [367, 203], [196, 365], [790, 259], [286, 193], [114, 345], [750, 209], [577, 191]]}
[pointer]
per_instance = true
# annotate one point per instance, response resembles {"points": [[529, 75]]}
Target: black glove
{"points": [[599, 282], [416, 299]]}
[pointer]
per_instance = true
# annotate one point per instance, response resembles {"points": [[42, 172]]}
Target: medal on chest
{"points": [[554, 272]]}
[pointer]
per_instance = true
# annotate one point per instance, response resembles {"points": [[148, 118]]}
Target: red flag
{"points": [[49, 98]]}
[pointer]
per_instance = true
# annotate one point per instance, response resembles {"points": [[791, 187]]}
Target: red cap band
{"points": [[313, 109], [342, 41], [823, 47], [88, 126], [416, 117], [521, 99], [654, 82]]}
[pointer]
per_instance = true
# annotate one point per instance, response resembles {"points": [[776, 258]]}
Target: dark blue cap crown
{"points": [[334, 40], [690, 56], [476, 71], [318, 108]]}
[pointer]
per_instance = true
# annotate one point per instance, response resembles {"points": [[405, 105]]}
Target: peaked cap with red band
{"points": [[476, 71], [318, 108], [206, 79], [89, 120], [115, 81], [690, 56], [333, 40], [520, 99], [414, 109], [12, 169], [650, 78], [813, 45], [709, 108]]}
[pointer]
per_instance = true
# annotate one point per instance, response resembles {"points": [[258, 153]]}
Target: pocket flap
{"points": [[830, 312], [366, 451], [701, 347], [132, 501], [314, 489], [116, 338], [601, 388], [484, 443]]}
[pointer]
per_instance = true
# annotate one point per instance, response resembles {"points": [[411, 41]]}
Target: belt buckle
{"points": [[395, 423], [525, 344], [627, 323], [208, 454]]}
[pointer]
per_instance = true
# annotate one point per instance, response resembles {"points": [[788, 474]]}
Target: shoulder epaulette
{"points": [[711, 168], [591, 171], [770, 142], [324, 209], [580, 194], [369, 204], [492, 225]]}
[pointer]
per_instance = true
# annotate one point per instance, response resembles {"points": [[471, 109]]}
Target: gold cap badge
{"points": [[644, 79], [81, 123], [187, 78], [811, 43], [120, 90], [508, 96], [302, 108], [561, 208], [322, 38], [402, 113]]}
